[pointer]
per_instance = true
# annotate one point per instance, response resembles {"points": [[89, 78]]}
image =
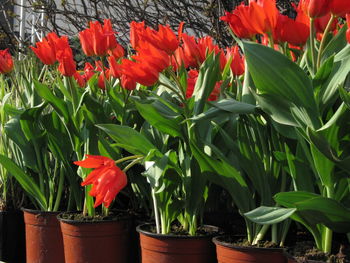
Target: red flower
{"points": [[6, 61], [117, 52], [191, 83], [348, 31], [295, 32], [128, 83], [140, 72], [66, 65], [315, 8], [340, 7], [89, 71], [259, 17], [115, 68], [45, 51], [107, 179], [154, 57], [191, 50], [103, 77], [236, 25], [97, 39], [237, 64], [321, 23], [136, 32]]}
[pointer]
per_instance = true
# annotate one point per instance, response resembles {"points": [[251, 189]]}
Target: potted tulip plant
{"points": [[167, 99], [305, 106], [12, 245]]}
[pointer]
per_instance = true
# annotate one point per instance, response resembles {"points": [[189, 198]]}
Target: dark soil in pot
{"points": [[230, 250], [177, 247], [98, 239], [12, 237]]}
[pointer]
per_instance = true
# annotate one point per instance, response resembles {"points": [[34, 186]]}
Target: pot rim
{"points": [[34, 211], [216, 231], [76, 222], [216, 240]]}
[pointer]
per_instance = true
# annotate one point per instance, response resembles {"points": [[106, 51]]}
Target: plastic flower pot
{"points": [[106, 241], [12, 237], [229, 253], [158, 248], [43, 237]]}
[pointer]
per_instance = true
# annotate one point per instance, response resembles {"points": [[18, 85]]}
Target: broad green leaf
{"points": [[337, 43], [165, 121], [25, 181], [56, 103], [269, 215], [209, 74], [345, 96], [318, 209], [128, 138], [276, 76]]}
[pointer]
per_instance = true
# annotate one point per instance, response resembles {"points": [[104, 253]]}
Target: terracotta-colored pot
{"points": [[157, 248], [96, 242], [12, 237], [43, 237], [228, 253]]}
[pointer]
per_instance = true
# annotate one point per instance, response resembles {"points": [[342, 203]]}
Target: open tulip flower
{"points": [[6, 61], [107, 179]]}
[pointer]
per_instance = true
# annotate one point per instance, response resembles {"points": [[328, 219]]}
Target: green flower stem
{"points": [[312, 44], [328, 236], [323, 41], [13, 80], [138, 160], [60, 189], [128, 158]]}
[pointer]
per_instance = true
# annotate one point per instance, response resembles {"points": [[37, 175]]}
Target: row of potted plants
{"points": [[160, 123]]}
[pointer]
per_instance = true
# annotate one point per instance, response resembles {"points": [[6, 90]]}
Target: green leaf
{"points": [[57, 103], [317, 209], [128, 138], [162, 118], [209, 74], [280, 79], [27, 183], [269, 215]]}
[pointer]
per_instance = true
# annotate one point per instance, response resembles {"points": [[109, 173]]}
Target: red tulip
{"points": [[127, 82], [315, 8], [259, 17], [340, 7], [179, 59], [6, 61], [136, 32], [117, 52], [164, 39], [103, 77], [45, 52], [154, 57], [66, 65], [115, 68], [107, 179], [191, 83], [97, 39], [81, 79], [321, 23], [236, 25], [348, 31], [237, 64], [140, 72], [191, 50]]}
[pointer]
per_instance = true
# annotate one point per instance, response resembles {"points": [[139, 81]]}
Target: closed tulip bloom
{"points": [[340, 7], [86, 42], [117, 52], [127, 82], [348, 31], [103, 77], [6, 61], [107, 179], [321, 23], [115, 68], [164, 39], [237, 64], [67, 65], [316, 8], [109, 34], [191, 50]]}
